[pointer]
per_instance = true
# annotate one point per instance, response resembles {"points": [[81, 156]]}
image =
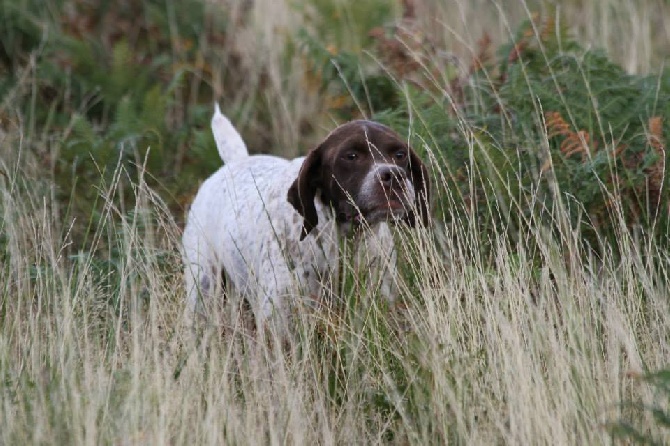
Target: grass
{"points": [[483, 352], [535, 340]]}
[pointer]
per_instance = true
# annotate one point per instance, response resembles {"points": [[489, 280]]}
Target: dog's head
{"points": [[366, 173]]}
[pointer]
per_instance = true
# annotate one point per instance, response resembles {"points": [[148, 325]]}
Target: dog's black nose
{"points": [[390, 175]]}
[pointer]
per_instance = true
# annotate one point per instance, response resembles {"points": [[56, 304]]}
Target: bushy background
{"points": [[554, 123]]}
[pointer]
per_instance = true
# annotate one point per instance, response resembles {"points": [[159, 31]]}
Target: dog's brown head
{"points": [[365, 172]]}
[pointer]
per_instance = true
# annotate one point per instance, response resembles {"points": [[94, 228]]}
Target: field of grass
{"points": [[535, 310]]}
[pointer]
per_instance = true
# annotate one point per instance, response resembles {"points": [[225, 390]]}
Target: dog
{"points": [[272, 227]]}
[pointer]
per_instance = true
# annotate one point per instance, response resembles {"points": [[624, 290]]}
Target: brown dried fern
{"points": [[656, 172], [483, 55], [579, 142]]}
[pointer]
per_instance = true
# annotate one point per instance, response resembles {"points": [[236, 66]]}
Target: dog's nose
{"points": [[390, 175]]}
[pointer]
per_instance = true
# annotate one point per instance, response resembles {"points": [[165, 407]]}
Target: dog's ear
{"points": [[302, 192], [419, 176]]}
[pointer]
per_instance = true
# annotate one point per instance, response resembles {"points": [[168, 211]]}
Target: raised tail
{"points": [[230, 144]]}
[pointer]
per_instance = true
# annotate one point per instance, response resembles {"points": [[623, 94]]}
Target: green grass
{"points": [[522, 319]]}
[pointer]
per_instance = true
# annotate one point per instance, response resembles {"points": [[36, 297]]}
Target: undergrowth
{"points": [[554, 126]]}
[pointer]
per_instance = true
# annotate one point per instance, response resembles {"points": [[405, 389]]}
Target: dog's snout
{"points": [[390, 175], [386, 177]]}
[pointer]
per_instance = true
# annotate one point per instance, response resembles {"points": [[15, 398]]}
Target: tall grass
{"points": [[479, 352], [493, 340]]}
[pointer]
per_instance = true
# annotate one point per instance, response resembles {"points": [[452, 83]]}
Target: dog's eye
{"points": [[351, 156], [400, 155]]}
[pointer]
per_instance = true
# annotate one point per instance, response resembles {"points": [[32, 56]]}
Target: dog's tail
{"points": [[230, 144]]}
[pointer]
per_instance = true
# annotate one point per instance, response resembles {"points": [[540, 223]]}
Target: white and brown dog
{"points": [[272, 226]]}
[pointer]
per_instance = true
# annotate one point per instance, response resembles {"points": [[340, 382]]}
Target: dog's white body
{"points": [[242, 224]]}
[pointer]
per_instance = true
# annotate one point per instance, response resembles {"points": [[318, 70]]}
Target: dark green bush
{"points": [[626, 427], [543, 128], [115, 84]]}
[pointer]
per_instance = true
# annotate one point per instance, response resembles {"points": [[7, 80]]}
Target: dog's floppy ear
{"points": [[419, 176], [302, 192]]}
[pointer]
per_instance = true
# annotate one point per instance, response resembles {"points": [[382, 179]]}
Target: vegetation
{"points": [[534, 311]]}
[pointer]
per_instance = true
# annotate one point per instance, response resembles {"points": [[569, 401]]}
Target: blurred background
{"points": [[88, 84]]}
